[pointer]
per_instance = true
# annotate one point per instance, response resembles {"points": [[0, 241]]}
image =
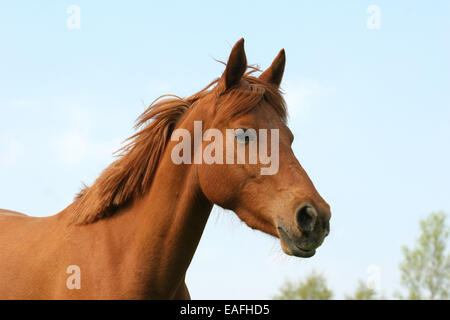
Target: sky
{"points": [[368, 97]]}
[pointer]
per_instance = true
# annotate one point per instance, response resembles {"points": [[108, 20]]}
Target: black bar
{"points": [[234, 309]]}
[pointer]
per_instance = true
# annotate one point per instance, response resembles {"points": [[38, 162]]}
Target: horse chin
{"points": [[291, 248]]}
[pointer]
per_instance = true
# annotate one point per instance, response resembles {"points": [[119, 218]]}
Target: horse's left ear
{"points": [[236, 65], [274, 73]]}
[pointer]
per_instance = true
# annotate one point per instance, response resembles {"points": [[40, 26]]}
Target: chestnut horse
{"points": [[133, 233]]}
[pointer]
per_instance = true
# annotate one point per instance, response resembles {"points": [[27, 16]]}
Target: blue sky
{"points": [[370, 110]]}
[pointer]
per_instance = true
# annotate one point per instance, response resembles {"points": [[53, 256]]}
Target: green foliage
{"points": [[425, 269], [362, 293], [314, 287]]}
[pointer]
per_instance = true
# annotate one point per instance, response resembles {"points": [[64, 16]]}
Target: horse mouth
{"points": [[291, 248]]}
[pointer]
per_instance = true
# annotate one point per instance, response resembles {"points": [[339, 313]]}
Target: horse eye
{"points": [[244, 135]]}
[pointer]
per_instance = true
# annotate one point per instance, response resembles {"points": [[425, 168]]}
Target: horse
{"points": [[133, 233]]}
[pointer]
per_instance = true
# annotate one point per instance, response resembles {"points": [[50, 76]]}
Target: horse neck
{"points": [[171, 219]]}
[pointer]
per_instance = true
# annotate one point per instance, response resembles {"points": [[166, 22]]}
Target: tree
{"points": [[363, 292], [313, 287], [425, 269]]}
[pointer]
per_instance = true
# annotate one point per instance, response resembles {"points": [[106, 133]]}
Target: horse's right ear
{"points": [[274, 73], [236, 65]]}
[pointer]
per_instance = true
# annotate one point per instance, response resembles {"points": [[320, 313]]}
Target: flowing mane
{"points": [[131, 175]]}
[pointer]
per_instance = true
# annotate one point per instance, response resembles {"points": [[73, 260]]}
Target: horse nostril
{"points": [[306, 218]]}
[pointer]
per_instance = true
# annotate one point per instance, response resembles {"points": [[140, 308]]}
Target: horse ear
{"points": [[236, 65], [274, 73]]}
